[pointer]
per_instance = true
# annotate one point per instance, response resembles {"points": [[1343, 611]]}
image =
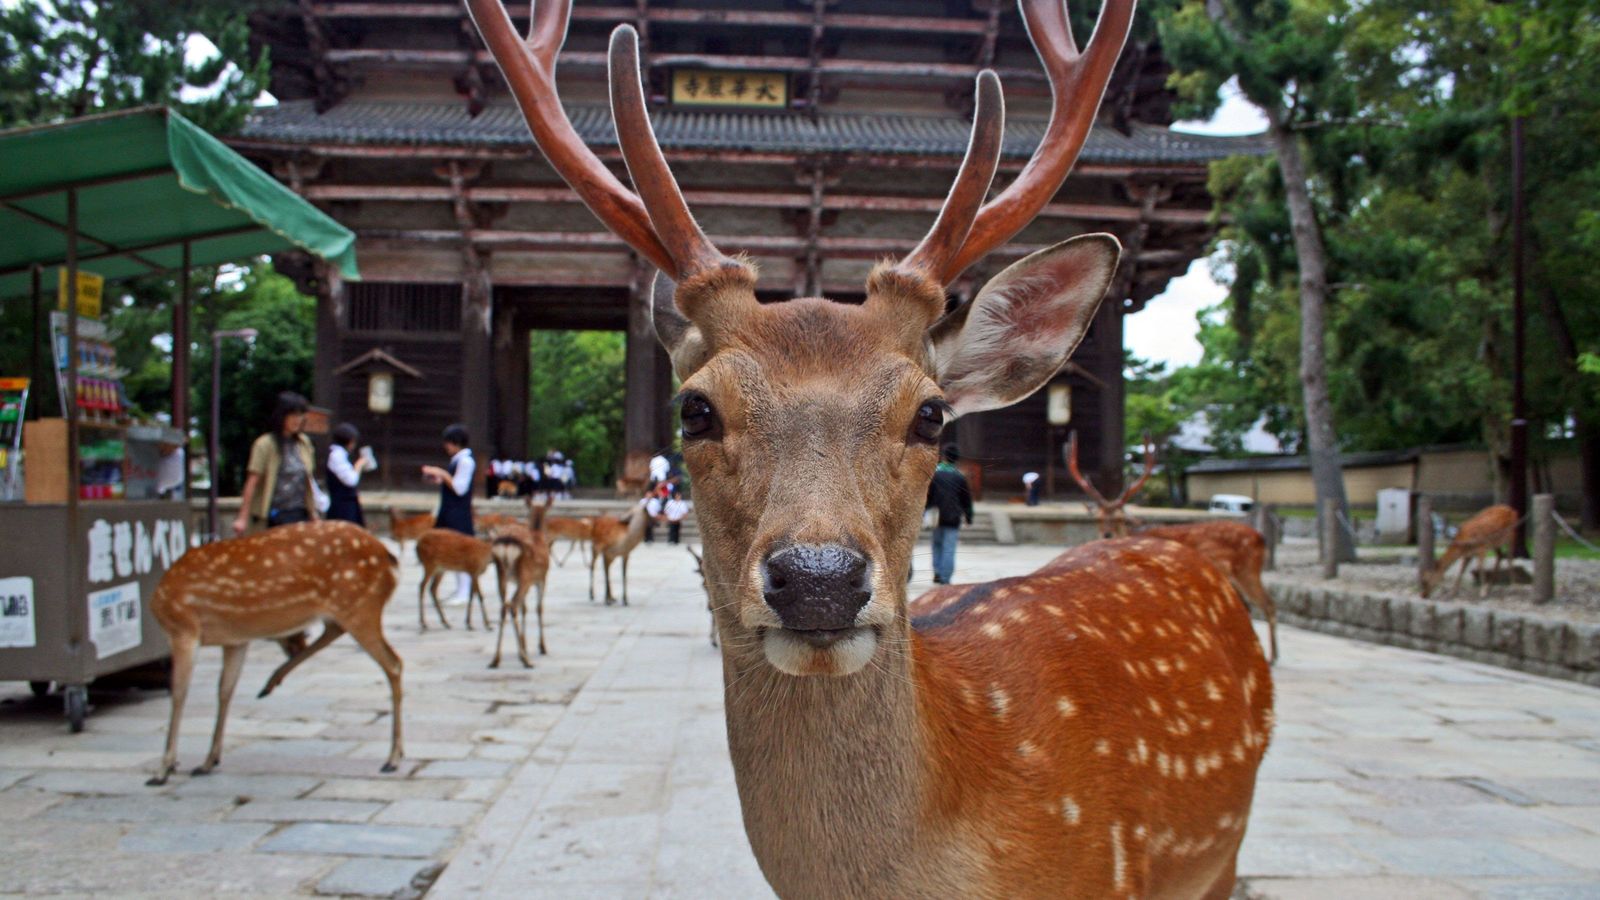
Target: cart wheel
{"points": [[39, 688], [77, 697]]}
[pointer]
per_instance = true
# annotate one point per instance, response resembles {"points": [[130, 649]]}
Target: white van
{"points": [[1230, 505]]}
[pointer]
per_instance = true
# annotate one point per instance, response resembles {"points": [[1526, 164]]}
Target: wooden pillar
{"points": [[1543, 525], [331, 302], [511, 385], [1108, 341], [645, 414], [477, 364]]}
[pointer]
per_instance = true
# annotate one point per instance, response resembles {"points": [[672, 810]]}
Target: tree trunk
{"points": [[1321, 443]]}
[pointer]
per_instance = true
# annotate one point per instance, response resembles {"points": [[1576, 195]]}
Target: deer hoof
{"points": [[203, 770], [494, 664], [158, 780], [389, 767]]}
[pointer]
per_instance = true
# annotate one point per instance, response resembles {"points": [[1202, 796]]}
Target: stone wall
{"points": [[1512, 639]]}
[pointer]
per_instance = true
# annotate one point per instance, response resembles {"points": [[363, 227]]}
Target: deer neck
{"points": [[831, 775]]}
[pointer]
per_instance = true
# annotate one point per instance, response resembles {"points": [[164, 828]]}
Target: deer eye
{"points": [[699, 418], [929, 422]]}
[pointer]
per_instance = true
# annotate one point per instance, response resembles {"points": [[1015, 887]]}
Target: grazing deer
{"points": [[579, 531], [441, 550], [1489, 530], [1239, 552], [615, 539], [1112, 514], [274, 585], [522, 553], [700, 569], [1092, 732], [488, 524], [408, 527]]}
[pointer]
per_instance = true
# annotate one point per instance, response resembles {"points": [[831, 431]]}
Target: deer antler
{"points": [[972, 182], [1077, 475], [1077, 83], [1149, 466], [529, 67]]}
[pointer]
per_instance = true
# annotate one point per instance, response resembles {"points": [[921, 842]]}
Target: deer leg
{"points": [[1460, 574], [483, 605], [232, 664], [505, 608], [519, 623], [539, 614], [369, 634], [438, 607], [330, 633], [606, 567], [594, 558], [183, 648], [625, 579], [422, 600]]}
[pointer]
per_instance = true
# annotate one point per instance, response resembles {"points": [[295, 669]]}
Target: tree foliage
{"points": [[575, 390], [66, 58]]}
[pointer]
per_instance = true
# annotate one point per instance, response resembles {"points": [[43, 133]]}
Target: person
{"points": [[344, 500], [278, 485], [949, 494], [676, 509], [1030, 481], [660, 466], [455, 493], [654, 503]]}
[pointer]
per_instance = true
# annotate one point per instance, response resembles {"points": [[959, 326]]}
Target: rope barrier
{"points": [[1572, 533]]}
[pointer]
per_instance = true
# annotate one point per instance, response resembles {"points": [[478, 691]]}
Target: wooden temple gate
{"points": [[393, 119]]}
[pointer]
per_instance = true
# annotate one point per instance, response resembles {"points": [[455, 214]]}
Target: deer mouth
{"points": [[819, 651]]}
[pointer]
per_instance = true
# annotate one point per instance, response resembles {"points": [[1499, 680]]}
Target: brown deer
{"points": [[441, 550], [579, 531], [1092, 732], [1488, 531], [489, 523], [408, 527], [615, 539], [1112, 514], [1239, 552], [271, 585], [523, 554]]}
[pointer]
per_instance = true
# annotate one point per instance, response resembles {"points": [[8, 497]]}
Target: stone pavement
{"points": [[604, 772]]}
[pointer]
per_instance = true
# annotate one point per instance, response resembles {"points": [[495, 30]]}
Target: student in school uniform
{"points": [[455, 492], [676, 509], [344, 498]]}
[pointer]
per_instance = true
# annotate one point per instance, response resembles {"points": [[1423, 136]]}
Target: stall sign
{"points": [[710, 87], [114, 621], [89, 287], [125, 549], [16, 612]]}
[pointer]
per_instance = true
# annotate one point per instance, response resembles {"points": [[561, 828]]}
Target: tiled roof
{"points": [[401, 124]]}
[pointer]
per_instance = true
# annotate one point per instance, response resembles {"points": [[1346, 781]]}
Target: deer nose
{"points": [[816, 587]]}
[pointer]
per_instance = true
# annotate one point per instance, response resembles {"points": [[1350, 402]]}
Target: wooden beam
{"points": [[746, 18], [739, 199]]}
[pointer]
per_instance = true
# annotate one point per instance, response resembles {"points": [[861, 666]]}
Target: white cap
{"points": [[1030, 477]]}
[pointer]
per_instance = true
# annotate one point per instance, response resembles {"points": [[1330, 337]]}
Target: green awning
{"points": [[148, 180]]}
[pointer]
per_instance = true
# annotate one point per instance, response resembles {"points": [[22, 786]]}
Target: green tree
{"points": [[576, 382], [1285, 55], [66, 58]]}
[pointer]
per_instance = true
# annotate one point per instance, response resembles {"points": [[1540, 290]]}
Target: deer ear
{"points": [[1020, 329], [684, 342]]}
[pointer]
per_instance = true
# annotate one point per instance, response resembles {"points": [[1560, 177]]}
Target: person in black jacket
{"points": [[950, 495]]}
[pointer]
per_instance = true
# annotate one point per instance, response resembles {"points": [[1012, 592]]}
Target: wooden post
{"points": [[1330, 539], [1544, 547], [1424, 535]]}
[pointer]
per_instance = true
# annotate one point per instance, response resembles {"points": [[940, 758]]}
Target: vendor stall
{"points": [[102, 513]]}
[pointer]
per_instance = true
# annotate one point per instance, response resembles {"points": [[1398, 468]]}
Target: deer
{"points": [[1111, 514], [578, 530], [273, 585], [442, 550], [615, 538], [1239, 552], [523, 553], [408, 527], [700, 570], [1489, 530], [1090, 732]]}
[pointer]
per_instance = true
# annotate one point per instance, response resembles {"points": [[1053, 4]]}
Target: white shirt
{"points": [[461, 483], [676, 509], [659, 467], [339, 466]]}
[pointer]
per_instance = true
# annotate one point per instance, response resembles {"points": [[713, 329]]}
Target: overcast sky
{"points": [[1165, 329]]}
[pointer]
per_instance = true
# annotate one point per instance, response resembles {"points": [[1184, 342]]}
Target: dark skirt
{"points": [[346, 509]]}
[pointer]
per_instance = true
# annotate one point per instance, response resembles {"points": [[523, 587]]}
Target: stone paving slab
{"points": [[603, 771]]}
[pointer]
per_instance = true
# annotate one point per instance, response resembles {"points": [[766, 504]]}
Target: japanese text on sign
{"points": [[16, 612], [710, 87], [124, 549], [114, 622]]}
